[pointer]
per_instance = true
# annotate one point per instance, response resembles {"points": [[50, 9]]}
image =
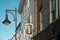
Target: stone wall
{"points": [[45, 14]]}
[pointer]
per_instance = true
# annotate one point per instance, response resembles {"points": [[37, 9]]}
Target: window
{"points": [[53, 7], [53, 15], [41, 23], [52, 10]]}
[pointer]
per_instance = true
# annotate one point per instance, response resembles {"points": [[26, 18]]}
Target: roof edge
{"points": [[21, 4]]}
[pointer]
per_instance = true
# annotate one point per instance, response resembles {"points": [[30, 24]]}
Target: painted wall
{"points": [[26, 16]]}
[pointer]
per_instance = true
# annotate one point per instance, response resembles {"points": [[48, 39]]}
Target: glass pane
{"points": [[53, 4]]}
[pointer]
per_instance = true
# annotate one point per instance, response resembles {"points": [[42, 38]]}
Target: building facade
{"points": [[45, 12], [40, 13], [26, 8], [48, 10], [18, 37]]}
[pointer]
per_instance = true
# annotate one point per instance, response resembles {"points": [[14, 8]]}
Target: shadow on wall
{"points": [[51, 32]]}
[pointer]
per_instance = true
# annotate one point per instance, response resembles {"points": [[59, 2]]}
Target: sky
{"points": [[7, 31]]}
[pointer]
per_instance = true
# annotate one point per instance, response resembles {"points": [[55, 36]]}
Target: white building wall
{"points": [[31, 12], [28, 10]]}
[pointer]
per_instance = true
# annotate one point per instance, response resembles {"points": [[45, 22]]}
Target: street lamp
{"points": [[6, 21]]}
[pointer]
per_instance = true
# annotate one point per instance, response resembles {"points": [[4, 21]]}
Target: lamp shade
{"points": [[6, 21]]}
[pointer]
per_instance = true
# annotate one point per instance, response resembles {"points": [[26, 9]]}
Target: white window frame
{"points": [[41, 24], [50, 13]]}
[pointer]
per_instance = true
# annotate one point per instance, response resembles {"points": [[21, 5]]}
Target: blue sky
{"points": [[7, 31]]}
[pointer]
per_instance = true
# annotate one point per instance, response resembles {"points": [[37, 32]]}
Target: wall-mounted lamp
{"points": [[6, 21]]}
